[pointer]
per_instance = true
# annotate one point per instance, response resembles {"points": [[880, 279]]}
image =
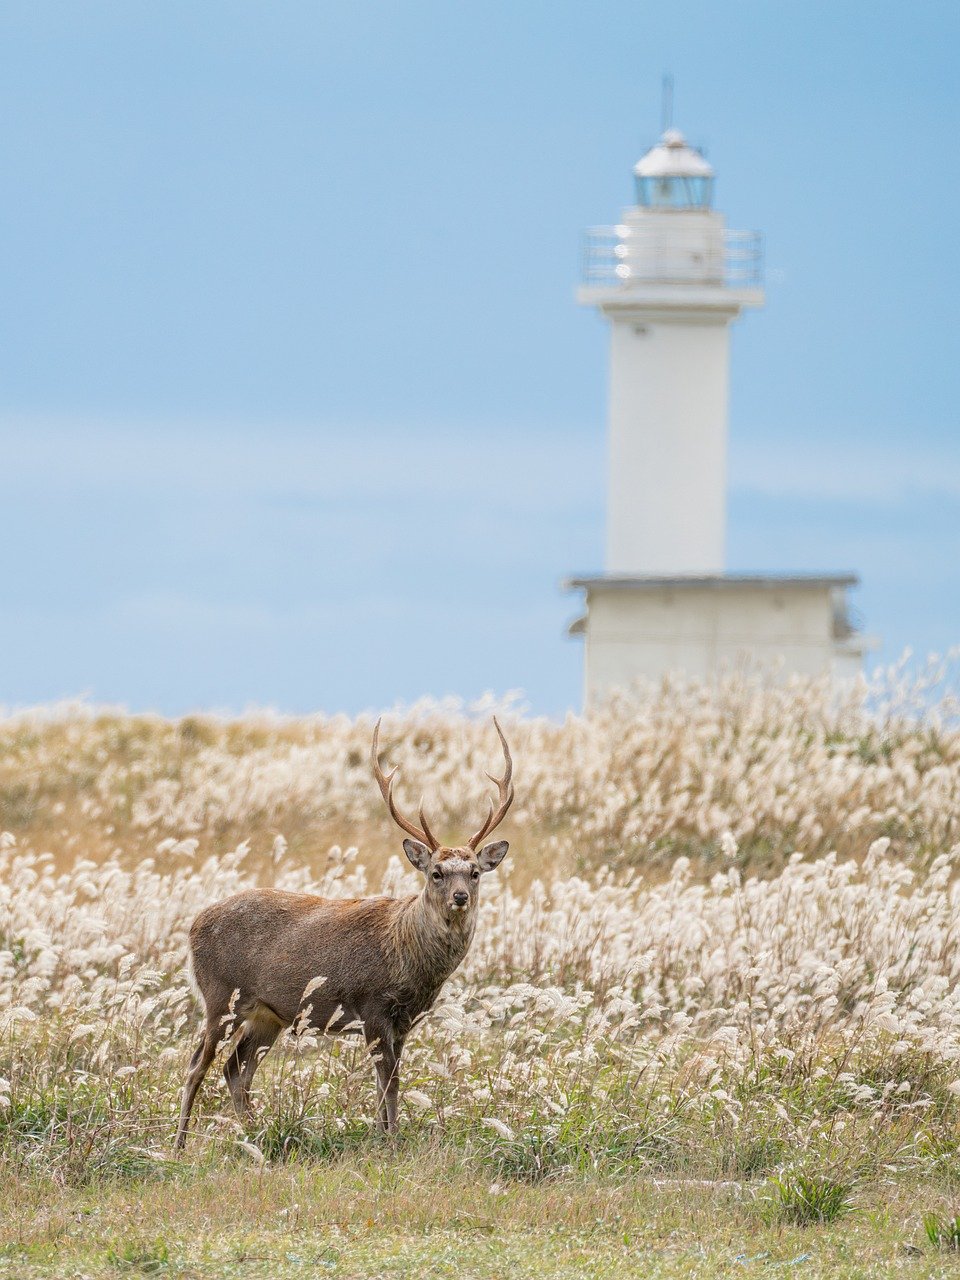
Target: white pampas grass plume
{"points": [[504, 1130]]}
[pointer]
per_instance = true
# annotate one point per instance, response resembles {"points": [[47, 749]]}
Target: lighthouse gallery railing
{"points": [[615, 256]]}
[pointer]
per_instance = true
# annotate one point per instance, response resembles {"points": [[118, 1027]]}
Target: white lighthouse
{"points": [[671, 278]]}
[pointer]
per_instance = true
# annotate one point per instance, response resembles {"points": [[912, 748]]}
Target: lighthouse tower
{"points": [[671, 279]]}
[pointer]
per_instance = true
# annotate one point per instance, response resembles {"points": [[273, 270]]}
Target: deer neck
{"points": [[427, 946]]}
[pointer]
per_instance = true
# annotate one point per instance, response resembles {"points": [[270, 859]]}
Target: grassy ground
{"points": [[416, 1213], [709, 1024]]}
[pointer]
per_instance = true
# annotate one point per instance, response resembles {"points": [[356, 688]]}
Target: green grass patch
{"points": [[942, 1232], [804, 1198]]}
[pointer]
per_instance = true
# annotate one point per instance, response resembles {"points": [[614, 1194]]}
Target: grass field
{"points": [[710, 1023], [413, 1214]]}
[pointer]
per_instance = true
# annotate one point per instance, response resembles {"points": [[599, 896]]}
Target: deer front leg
{"points": [[386, 1048], [392, 1087]]}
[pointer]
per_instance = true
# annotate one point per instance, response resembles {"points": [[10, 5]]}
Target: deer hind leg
{"points": [[257, 1038], [203, 1055]]}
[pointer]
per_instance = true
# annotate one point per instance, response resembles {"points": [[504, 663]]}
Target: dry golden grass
{"points": [[670, 771]]}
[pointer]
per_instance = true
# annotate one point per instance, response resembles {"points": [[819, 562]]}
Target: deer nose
{"points": [[461, 898]]}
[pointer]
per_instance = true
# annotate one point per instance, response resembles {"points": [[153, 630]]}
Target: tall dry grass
{"points": [[725, 939], [667, 771]]}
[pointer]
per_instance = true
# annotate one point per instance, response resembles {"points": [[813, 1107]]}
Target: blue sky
{"points": [[296, 406]]}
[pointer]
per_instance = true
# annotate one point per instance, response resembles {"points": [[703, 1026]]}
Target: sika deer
{"points": [[383, 960]]}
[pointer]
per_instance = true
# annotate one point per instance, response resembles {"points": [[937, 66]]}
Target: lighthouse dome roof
{"points": [[673, 157]]}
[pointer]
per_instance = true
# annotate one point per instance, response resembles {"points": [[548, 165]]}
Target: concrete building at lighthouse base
{"points": [[643, 628]]}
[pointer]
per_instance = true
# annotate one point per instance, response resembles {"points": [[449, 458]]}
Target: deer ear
{"points": [[418, 854], [491, 855]]}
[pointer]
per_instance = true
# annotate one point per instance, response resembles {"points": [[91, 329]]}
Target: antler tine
{"points": [[478, 836], [504, 787], [431, 839], [385, 783]]}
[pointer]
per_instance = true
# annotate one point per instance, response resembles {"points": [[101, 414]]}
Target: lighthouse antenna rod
{"points": [[666, 103]]}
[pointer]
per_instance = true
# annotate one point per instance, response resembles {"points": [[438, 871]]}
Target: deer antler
{"points": [[385, 783], [504, 786]]}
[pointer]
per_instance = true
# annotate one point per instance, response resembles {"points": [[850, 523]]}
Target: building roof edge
{"points": [[715, 582]]}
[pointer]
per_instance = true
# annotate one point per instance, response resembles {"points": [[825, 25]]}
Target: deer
{"points": [[266, 959]]}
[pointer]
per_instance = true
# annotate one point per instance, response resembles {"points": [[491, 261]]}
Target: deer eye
{"points": [[438, 875], [474, 874]]}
